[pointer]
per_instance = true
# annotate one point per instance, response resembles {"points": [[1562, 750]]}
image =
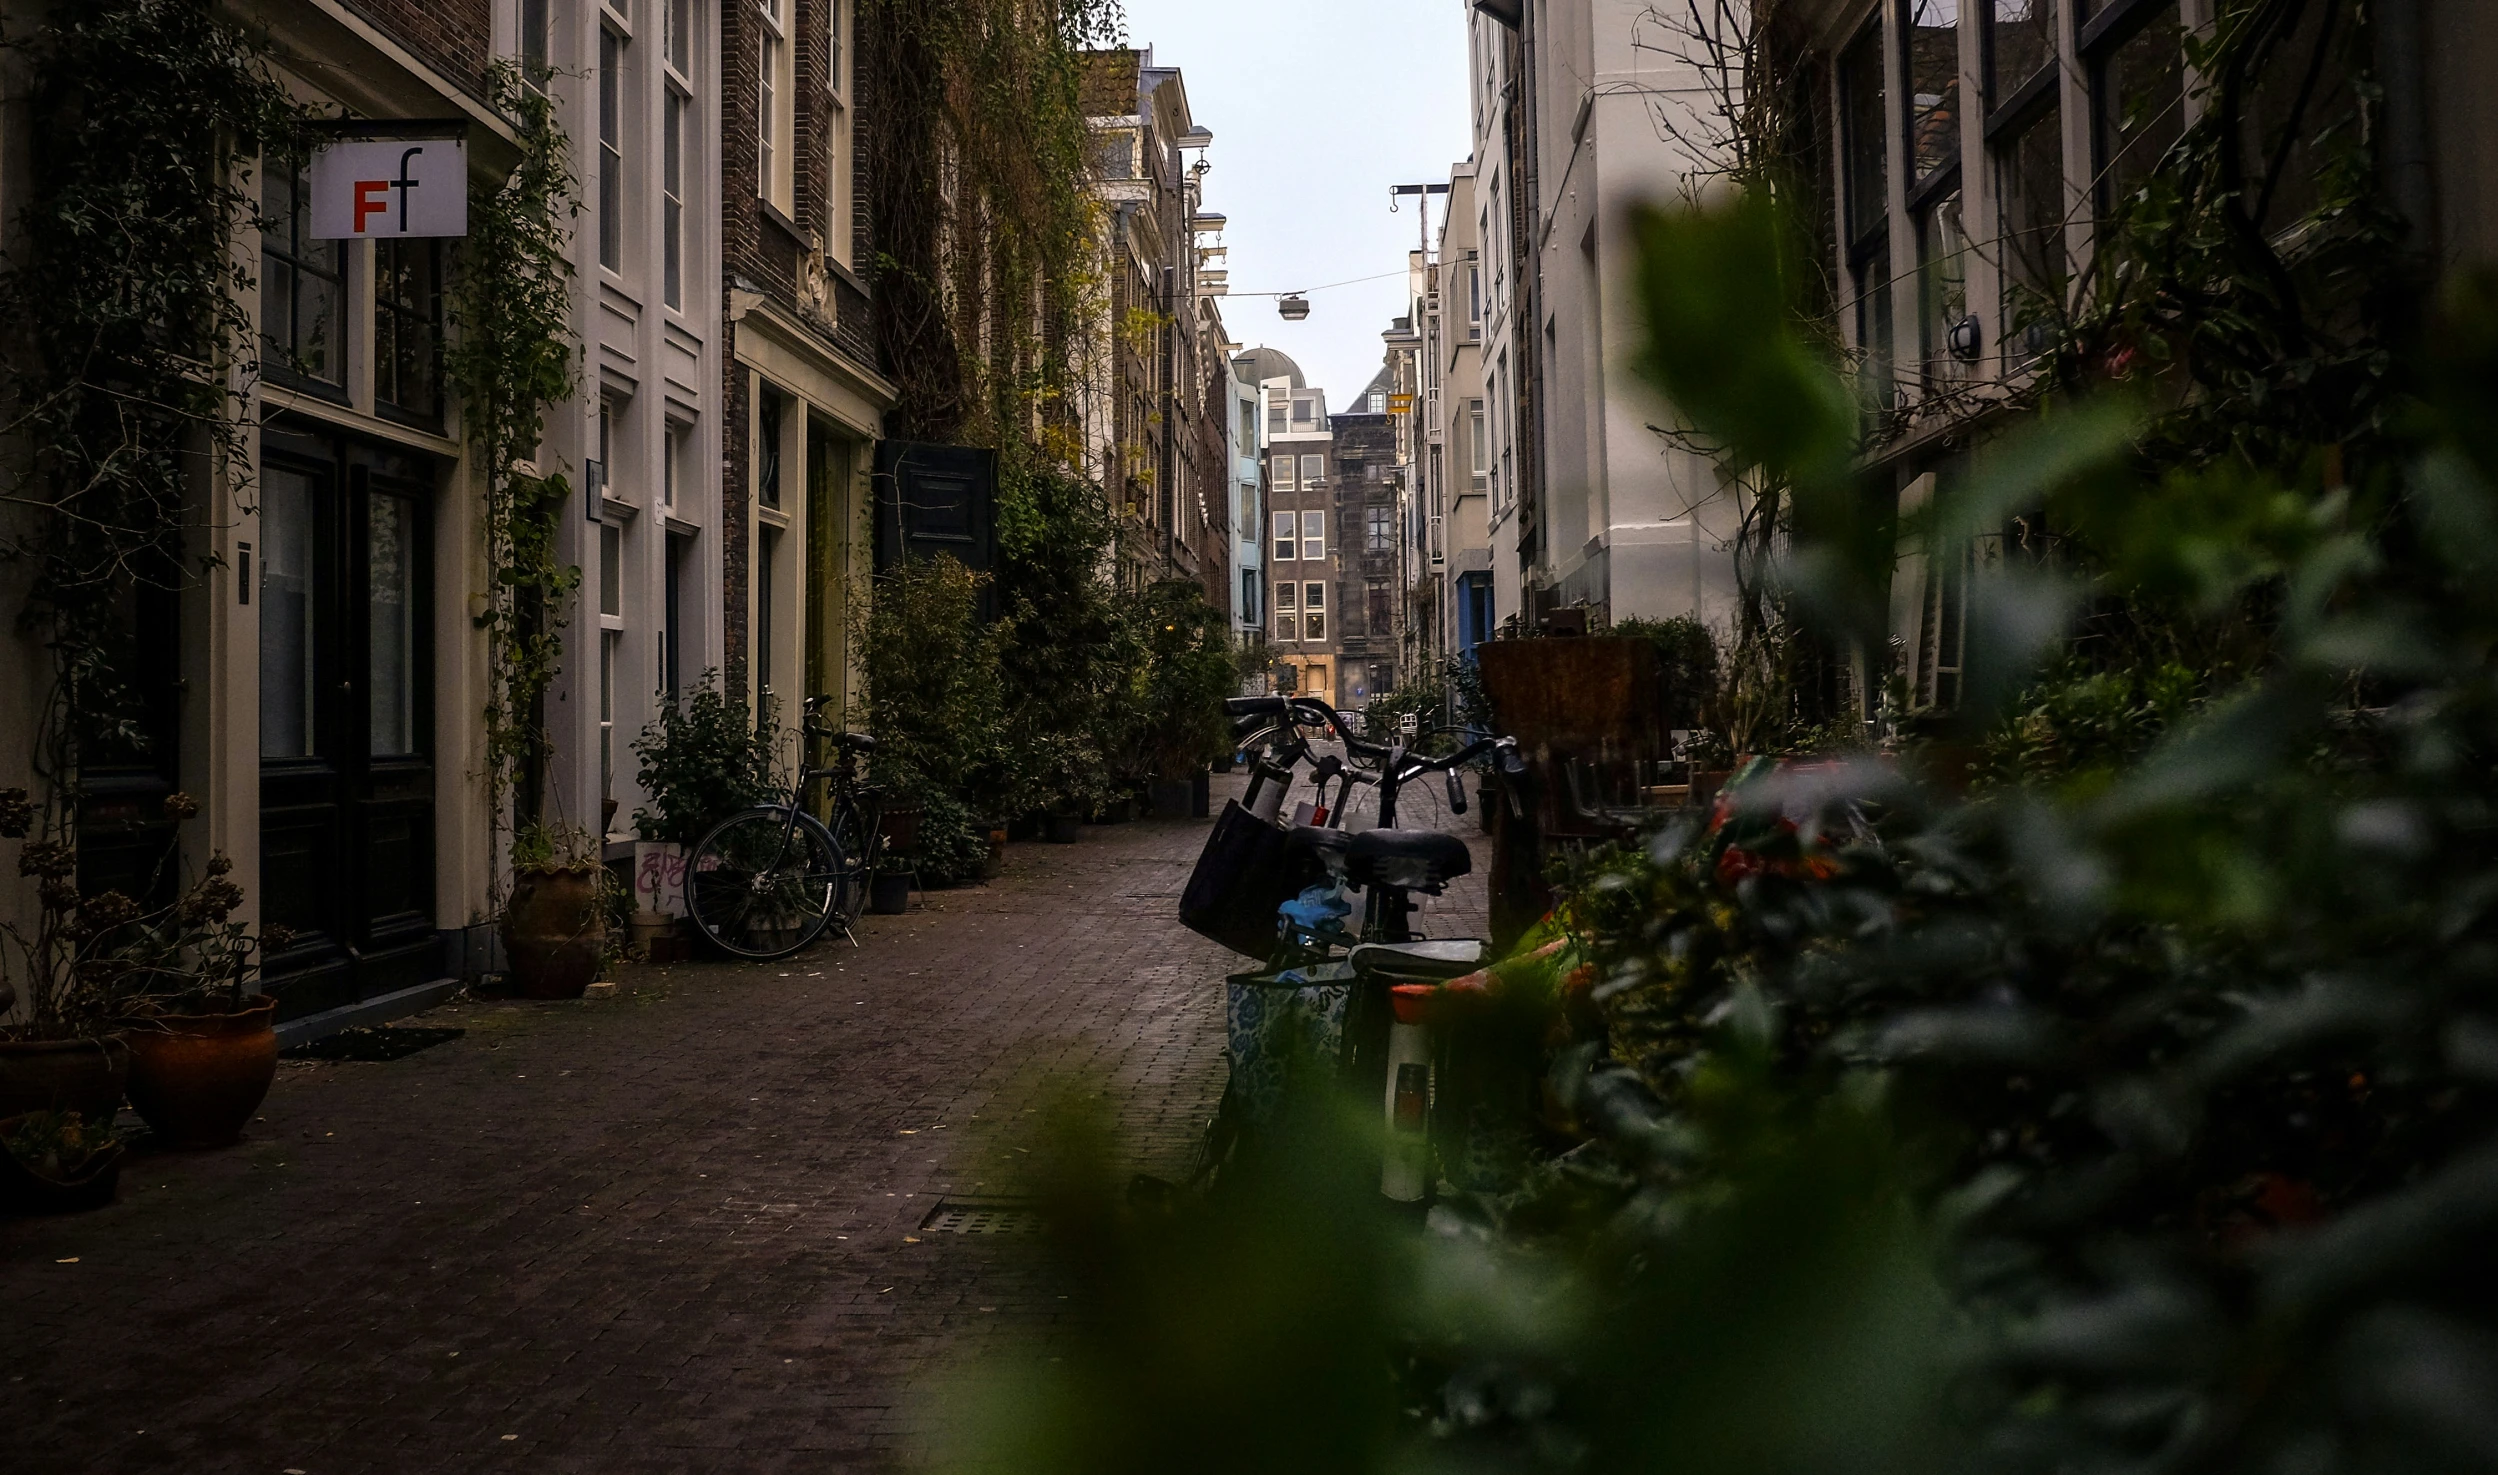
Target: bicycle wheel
{"points": [[760, 887], [851, 838]]}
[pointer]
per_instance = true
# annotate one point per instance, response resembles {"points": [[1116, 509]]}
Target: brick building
{"points": [[801, 397]]}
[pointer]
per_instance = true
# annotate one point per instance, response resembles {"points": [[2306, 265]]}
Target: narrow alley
{"points": [[679, 1228]]}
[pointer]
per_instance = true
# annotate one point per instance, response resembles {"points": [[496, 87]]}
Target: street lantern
{"points": [[1293, 306]]}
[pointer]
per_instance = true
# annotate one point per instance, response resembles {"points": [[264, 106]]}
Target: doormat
{"points": [[375, 1042], [983, 1216]]}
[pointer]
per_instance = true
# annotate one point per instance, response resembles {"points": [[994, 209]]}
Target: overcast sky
{"points": [[1317, 107]]}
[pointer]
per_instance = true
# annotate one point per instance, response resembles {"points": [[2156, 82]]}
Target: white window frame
{"points": [[1313, 536], [837, 82], [1313, 471], [613, 43], [775, 135], [1285, 538], [1282, 471], [1314, 611], [676, 111]]}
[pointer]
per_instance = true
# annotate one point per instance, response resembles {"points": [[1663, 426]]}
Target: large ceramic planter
{"points": [[85, 1076], [554, 933], [196, 1079], [1170, 799], [889, 895]]}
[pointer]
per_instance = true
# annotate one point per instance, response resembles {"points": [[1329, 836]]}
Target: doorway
{"points": [[346, 723]]}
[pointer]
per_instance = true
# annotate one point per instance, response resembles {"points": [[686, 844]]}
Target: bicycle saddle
{"points": [[1419, 962], [1414, 860]]}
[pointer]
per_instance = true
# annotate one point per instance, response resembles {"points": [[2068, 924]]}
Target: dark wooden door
{"points": [[347, 773]]}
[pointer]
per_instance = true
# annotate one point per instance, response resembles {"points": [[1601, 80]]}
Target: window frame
{"points": [[612, 42], [775, 144], [282, 364], [1287, 538], [1378, 528], [387, 309], [1313, 536]]}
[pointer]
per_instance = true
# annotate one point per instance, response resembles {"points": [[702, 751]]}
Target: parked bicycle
{"points": [[767, 881], [1265, 889]]}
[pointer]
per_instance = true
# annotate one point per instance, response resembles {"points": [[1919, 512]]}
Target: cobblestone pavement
{"points": [[677, 1229]]}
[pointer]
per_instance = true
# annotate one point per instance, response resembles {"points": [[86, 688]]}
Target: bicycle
{"points": [[1385, 1048], [767, 881]]}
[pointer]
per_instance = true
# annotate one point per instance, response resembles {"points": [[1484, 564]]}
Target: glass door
{"points": [[347, 853]]}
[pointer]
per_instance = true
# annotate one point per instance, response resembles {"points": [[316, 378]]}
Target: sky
{"points": [[1317, 107]]}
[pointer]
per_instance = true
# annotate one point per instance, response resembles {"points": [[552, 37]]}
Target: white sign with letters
{"points": [[376, 188]]}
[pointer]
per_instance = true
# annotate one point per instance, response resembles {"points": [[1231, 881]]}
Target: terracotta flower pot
{"points": [[85, 1076], [555, 933], [196, 1079], [25, 1191]]}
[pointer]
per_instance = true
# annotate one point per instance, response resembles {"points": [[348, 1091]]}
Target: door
{"points": [[346, 771]]}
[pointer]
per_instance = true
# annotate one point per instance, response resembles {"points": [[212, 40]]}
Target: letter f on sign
{"points": [[372, 198]]}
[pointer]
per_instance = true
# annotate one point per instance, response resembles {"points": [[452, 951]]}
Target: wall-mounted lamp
{"points": [[1965, 338]]}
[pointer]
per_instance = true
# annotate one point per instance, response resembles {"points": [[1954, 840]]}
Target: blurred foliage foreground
{"points": [[2131, 1114]]}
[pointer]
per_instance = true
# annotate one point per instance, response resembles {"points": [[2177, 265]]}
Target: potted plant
{"points": [[90, 962], [702, 759], [53, 1162], [1189, 668], [555, 924]]}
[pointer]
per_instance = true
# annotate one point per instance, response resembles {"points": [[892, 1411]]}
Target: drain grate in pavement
{"points": [[377, 1042], [982, 1216]]}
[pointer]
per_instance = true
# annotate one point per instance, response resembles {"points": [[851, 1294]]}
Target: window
{"points": [[1313, 470], [1942, 283], [1314, 612], [767, 555], [2030, 186], [602, 483], [391, 636], [837, 140], [772, 104], [1302, 410], [1248, 426], [679, 40], [1284, 543], [1381, 613], [1278, 408], [1249, 584], [672, 199], [611, 191], [1313, 536], [1868, 182], [610, 569], [2020, 44], [302, 284], [1249, 512], [1479, 444], [1282, 468], [407, 327], [610, 648], [1287, 595], [1377, 536], [1287, 613], [768, 446], [1379, 401], [535, 65], [671, 445], [1933, 86], [2138, 96], [1474, 300]]}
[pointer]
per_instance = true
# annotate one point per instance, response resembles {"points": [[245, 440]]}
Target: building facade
{"points": [[802, 401], [1155, 434], [1581, 111], [1456, 458]]}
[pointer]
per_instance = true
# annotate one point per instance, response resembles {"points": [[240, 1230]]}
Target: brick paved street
{"points": [[676, 1229]]}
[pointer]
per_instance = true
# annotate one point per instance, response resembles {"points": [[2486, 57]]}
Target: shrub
{"points": [[703, 759]]}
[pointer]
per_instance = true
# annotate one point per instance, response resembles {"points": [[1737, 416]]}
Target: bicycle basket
{"points": [[1246, 871]]}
